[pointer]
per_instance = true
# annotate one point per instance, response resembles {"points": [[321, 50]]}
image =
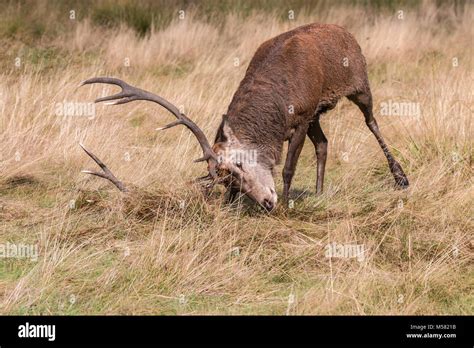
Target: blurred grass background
{"points": [[29, 20]]}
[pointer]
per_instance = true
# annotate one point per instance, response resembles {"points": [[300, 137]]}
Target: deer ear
{"points": [[226, 130], [220, 136], [218, 148]]}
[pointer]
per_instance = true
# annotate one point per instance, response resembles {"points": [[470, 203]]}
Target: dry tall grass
{"points": [[101, 252]]}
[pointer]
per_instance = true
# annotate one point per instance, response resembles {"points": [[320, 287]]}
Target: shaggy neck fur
{"points": [[257, 118]]}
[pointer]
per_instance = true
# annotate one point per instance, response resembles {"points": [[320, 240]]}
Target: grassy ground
{"points": [[163, 249]]}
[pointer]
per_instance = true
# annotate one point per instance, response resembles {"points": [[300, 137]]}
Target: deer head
{"points": [[243, 168], [229, 162]]}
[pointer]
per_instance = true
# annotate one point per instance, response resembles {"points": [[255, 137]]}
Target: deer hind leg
{"points": [[315, 133], [364, 102], [295, 145]]}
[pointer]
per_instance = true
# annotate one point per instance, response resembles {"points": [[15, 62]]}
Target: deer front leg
{"points": [[295, 145], [320, 143]]}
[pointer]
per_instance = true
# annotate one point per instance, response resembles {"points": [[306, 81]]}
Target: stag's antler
{"points": [[107, 174], [130, 93]]}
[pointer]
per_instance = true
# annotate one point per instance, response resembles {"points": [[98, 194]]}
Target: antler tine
{"points": [[125, 96], [206, 182], [130, 93], [107, 174]]}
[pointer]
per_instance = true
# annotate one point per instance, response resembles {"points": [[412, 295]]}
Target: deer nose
{"points": [[268, 205]]}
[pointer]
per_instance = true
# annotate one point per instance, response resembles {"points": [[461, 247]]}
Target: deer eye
{"points": [[238, 164]]}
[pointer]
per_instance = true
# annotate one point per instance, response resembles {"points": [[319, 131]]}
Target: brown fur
{"points": [[304, 68], [291, 80], [308, 69]]}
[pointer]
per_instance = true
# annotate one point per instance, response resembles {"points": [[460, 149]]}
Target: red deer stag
{"points": [[291, 81]]}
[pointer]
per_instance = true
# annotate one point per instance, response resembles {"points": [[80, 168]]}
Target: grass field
{"points": [[163, 249]]}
